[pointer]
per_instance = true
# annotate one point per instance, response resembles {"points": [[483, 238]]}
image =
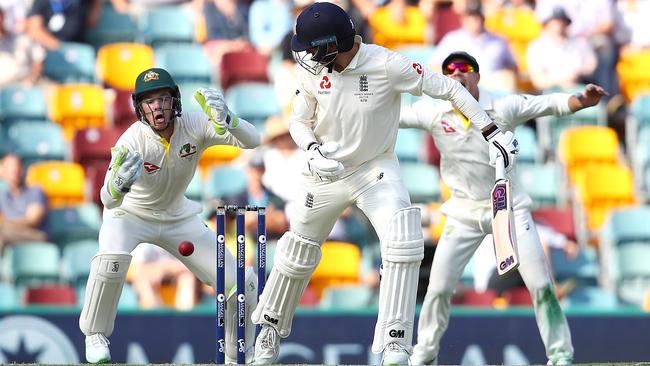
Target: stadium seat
{"points": [[95, 174], [527, 145], [22, 103], [560, 219], [591, 297], [584, 145], [584, 269], [471, 297], [422, 182], [519, 26], [518, 296], [346, 297], [245, 66], [188, 63], [340, 264], [633, 283], [33, 263], [123, 110], [73, 223], [409, 144], [36, 141], [254, 102], [76, 260], [601, 188], [418, 53], [167, 24], [119, 64], [112, 27], [194, 191], [78, 106], [633, 73], [51, 295], [540, 182], [628, 225], [71, 63], [94, 144], [225, 181], [63, 182], [187, 94], [8, 296]]}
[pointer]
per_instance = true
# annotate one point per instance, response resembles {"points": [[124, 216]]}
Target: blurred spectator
{"points": [[498, 66], [557, 60], [50, 22], [151, 268], [634, 17], [138, 7], [443, 16], [15, 12], [226, 24], [269, 21], [21, 60], [398, 24], [22, 209]]}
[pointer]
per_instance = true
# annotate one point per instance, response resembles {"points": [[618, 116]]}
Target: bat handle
{"points": [[500, 169]]}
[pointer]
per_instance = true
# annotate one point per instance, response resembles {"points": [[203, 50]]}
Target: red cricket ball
{"points": [[186, 248]]}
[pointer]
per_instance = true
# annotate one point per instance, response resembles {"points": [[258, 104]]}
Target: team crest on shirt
{"points": [[325, 85], [446, 127], [151, 167], [364, 89], [187, 150]]}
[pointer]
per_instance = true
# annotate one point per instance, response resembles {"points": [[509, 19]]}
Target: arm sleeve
{"points": [[515, 110], [421, 114], [303, 116], [411, 77]]}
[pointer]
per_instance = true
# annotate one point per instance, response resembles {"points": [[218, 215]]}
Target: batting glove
{"points": [[124, 171], [319, 162], [502, 144], [213, 104]]}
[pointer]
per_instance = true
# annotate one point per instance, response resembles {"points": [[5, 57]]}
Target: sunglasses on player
{"points": [[460, 66]]}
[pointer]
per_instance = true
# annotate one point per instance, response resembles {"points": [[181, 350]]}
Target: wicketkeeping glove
{"points": [[502, 144], [213, 104], [319, 163], [124, 171]]}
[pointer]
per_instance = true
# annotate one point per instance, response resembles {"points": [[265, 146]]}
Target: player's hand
{"points": [[591, 95], [319, 162], [213, 104], [124, 171], [503, 144]]}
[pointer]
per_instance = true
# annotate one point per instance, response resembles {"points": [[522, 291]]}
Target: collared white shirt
{"points": [[159, 193], [464, 163], [359, 107]]}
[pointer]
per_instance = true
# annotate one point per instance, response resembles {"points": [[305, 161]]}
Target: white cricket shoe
{"points": [[395, 354], [561, 362], [418, 359], [267, 346], [97, 348]]}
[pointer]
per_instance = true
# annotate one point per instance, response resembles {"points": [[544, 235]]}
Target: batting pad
{"points": [[295, 260], [402, 251], [105, 281], [231, 319]]}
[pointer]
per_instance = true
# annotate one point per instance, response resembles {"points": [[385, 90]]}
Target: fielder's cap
{"points": [[460, 55], [153, 79], [560, 14], [321, 23]]}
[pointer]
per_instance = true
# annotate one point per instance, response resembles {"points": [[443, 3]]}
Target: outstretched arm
{"points": [[590, 96]]}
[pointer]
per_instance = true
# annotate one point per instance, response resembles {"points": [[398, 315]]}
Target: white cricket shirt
{"points": [[359, 107], [159, 193]]}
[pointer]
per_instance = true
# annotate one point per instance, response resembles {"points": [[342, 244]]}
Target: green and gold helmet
{"points": [[155, 79]]}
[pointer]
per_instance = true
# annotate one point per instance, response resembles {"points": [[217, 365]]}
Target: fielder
{"points": [[346, 117], [143, 195], [464, 169]]}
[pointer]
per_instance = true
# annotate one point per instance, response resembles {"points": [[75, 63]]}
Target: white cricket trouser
{"points": [[123, 231], [458, 243], [376, 188]]}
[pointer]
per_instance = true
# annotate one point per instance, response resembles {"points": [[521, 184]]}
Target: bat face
{"points": [[503, 228]]}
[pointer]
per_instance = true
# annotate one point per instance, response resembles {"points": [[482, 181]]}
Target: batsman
{"points": [[346, 116], [468, 212], [143, 195]]}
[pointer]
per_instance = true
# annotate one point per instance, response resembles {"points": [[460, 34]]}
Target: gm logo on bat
{"points": [[499, 198], [507, 262]]}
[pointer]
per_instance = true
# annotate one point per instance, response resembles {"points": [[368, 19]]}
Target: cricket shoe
{"points": [[561, 362], [97, 348], [395, 354], [417, 359], [267, 346]]}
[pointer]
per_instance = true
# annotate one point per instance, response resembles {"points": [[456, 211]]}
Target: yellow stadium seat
{"points": [[215, 155], [601, 188], [518, 26], [340, 264], [118, 64], [634, 74], [63, 182], [583, 145], [78, 106]]}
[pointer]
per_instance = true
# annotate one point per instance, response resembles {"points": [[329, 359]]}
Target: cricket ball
{"points": [[186, 248]]}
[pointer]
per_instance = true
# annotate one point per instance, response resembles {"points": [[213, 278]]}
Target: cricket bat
{"points": [[503, 223]]}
